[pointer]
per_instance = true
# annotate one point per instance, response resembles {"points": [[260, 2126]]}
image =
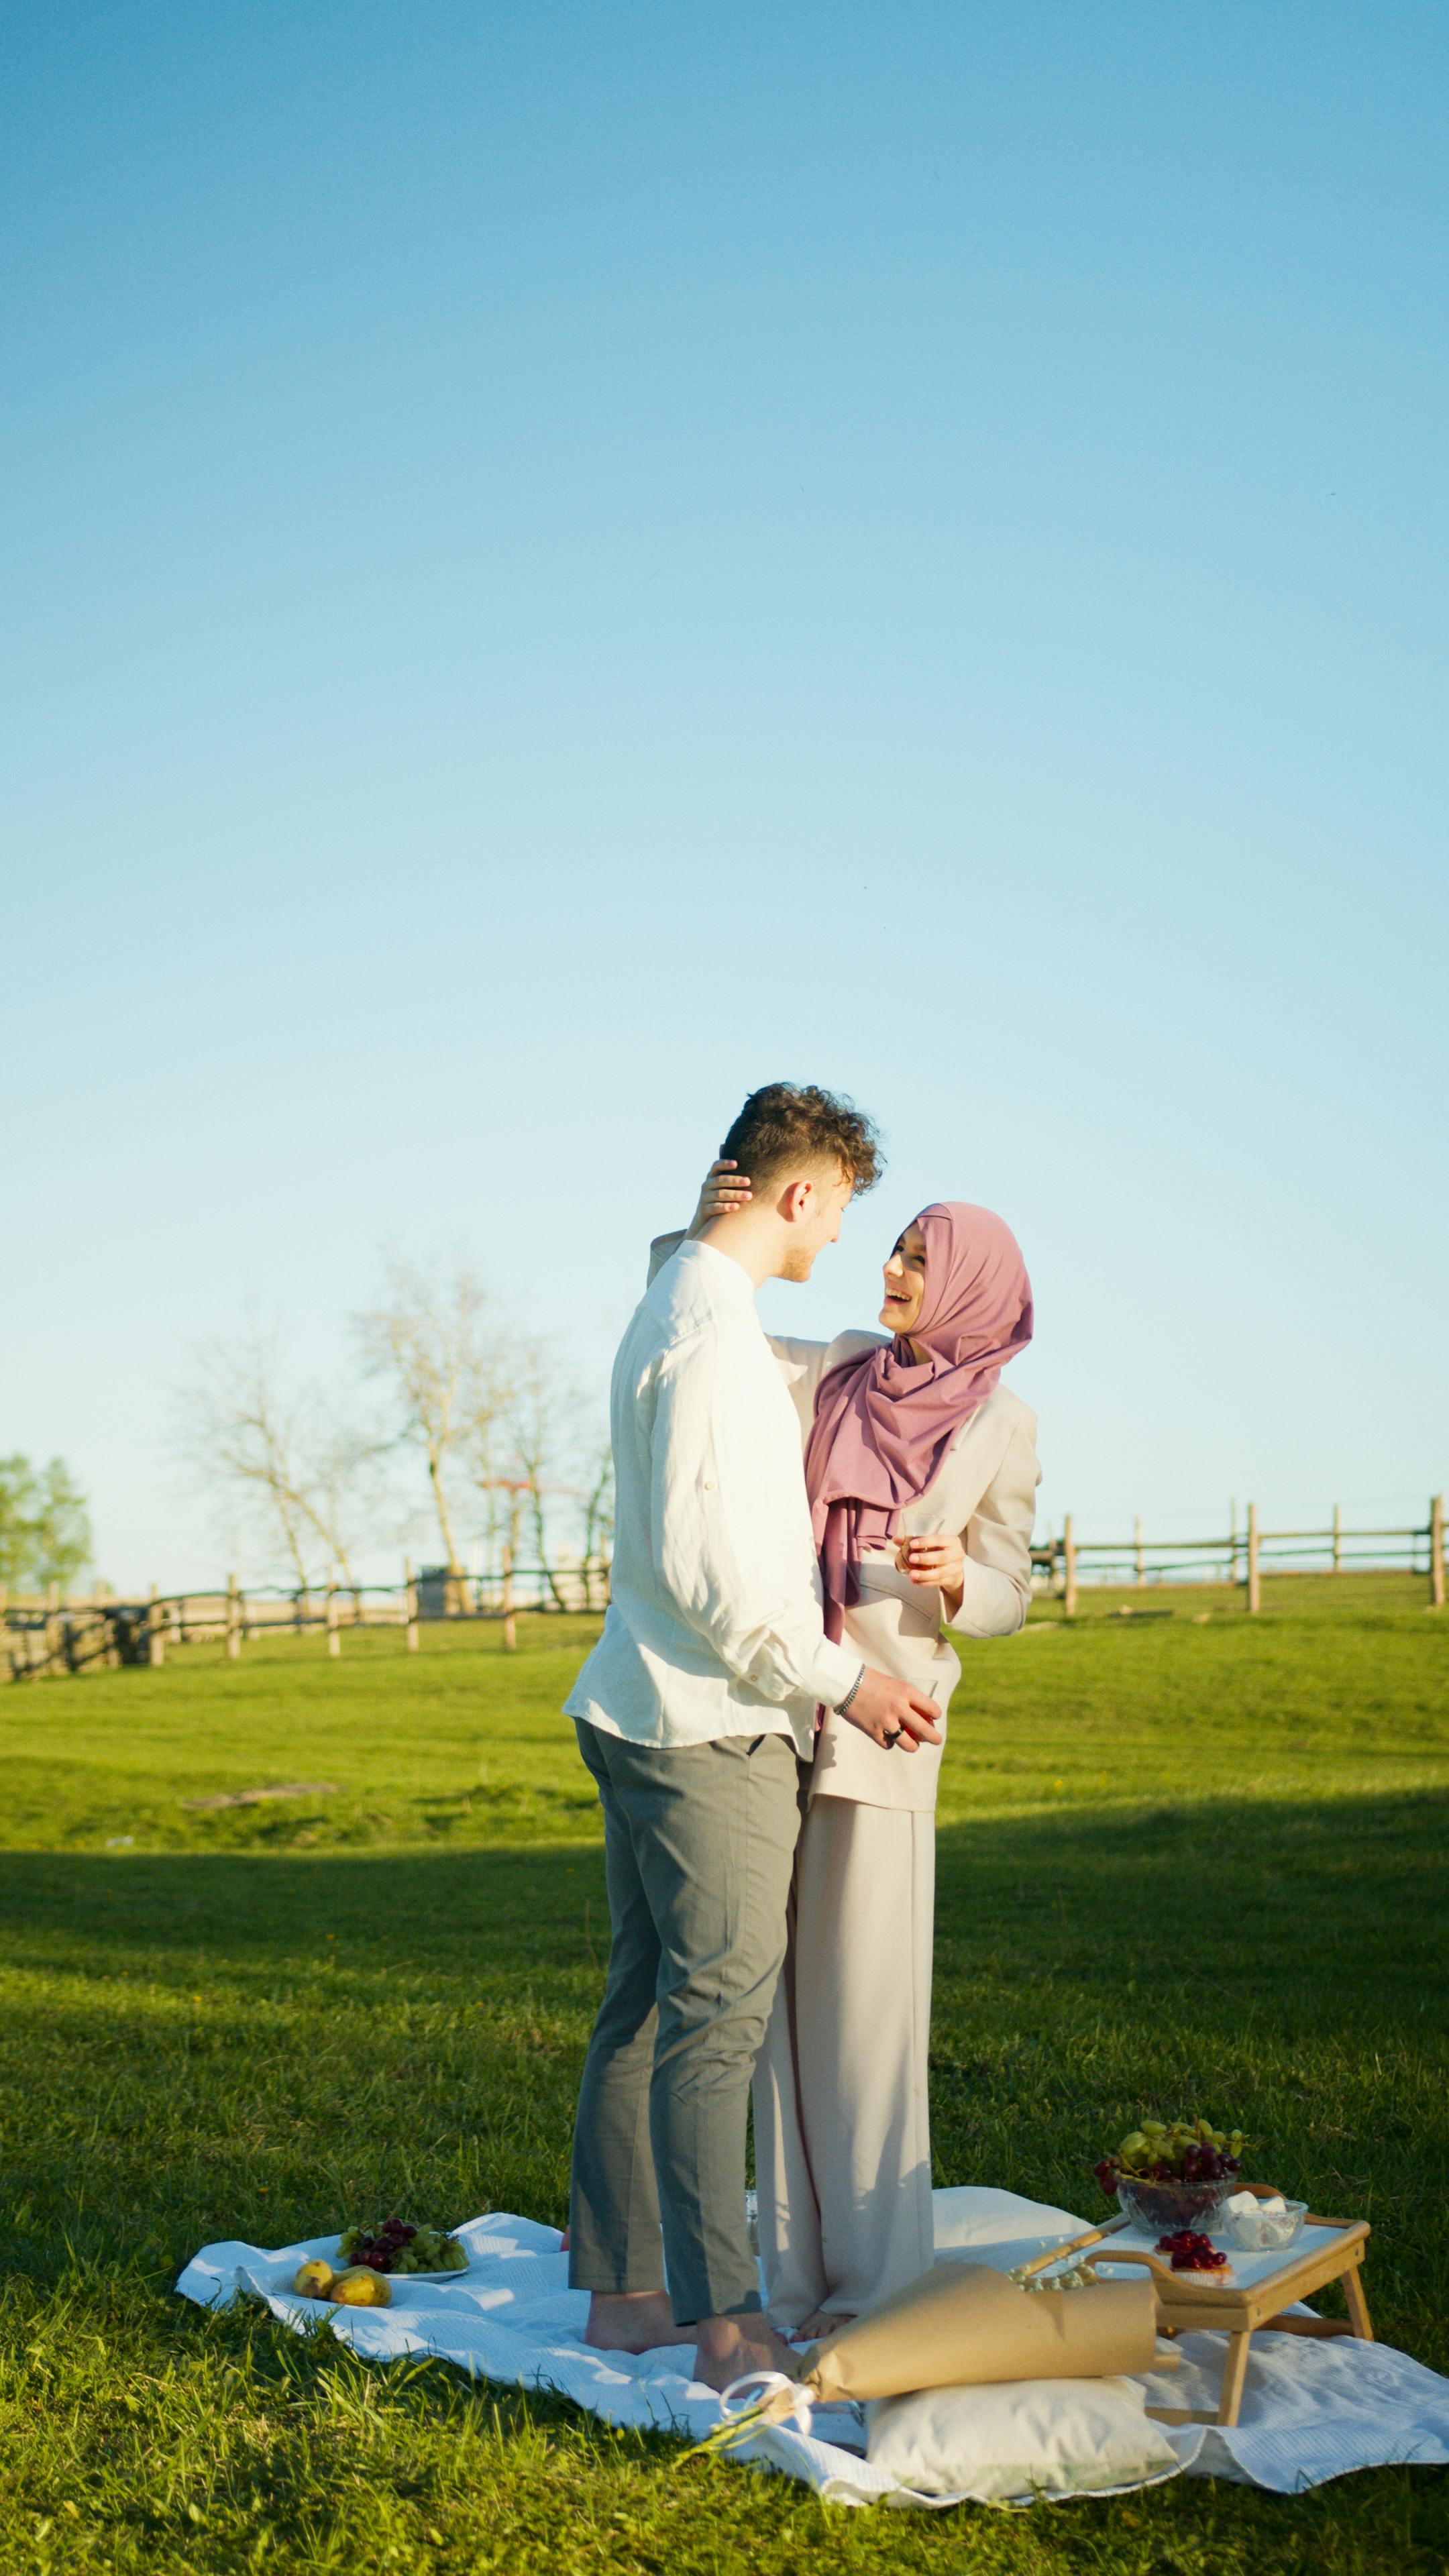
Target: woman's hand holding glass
{"points": [[940, 1561]]}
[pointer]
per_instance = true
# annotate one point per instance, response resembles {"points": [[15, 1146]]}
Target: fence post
{"points": [[155, 1635], [1338, 1538], [233, 1619], [510, 1624], [1255, 1577], [1141, 1559], [1069, 1552], [1436, 1552], [334, 1633], [410, 1607]]}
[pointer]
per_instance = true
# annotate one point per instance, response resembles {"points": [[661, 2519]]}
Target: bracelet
{"points": [[842, 1705]]}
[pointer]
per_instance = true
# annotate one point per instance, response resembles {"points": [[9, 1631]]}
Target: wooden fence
{"points": [[1246, 1557], [50, 1634], [53, 1634]]}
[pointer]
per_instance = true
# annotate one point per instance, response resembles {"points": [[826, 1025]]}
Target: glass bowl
{"points": [[1161, 2208], [1263, 2231]]}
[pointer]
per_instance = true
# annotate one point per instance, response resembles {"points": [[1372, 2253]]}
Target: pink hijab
{"points": [[884, 1422]]}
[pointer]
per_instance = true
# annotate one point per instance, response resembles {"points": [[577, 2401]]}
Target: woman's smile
{"points": [[905, 1281]]}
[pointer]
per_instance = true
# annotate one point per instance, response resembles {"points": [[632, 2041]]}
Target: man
{"points": [[694, 1714]]}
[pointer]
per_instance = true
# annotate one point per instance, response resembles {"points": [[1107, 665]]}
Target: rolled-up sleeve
{"points": [[715, 1541], [996, 1587]]}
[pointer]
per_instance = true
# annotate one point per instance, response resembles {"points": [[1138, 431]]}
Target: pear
{"points": [[360, 2288], [314, 2280]]}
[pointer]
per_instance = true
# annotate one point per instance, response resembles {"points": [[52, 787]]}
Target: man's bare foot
{"points": [[633, 2321], [729, 2347], [824, 2322]]}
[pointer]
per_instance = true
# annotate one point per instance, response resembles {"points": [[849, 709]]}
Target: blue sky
{"points": [[561, 562]]}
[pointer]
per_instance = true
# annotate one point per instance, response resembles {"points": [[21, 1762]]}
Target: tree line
{"points": [[45, 1531], [444, 1406]]}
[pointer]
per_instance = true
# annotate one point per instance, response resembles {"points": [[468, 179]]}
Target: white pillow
{"points": [[1019, 2439], [972, 2213], [976, 2214]]}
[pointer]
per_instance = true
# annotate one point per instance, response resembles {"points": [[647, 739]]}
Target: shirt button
{"points": [[709, 1484]]}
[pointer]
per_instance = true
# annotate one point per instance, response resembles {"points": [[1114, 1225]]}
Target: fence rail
{"points": [[1245, 1558], [50, 1634]]}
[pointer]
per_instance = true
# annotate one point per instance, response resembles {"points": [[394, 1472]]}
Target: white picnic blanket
{"points": [[1311, 2411]]}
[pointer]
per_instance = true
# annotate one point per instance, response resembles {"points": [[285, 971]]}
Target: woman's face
{"points": [[905, 1282]]}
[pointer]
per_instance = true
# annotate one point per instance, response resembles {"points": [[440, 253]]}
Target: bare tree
{"points": [[286, 1452], [430, 1341], [598, 1508], [541, 1416]]}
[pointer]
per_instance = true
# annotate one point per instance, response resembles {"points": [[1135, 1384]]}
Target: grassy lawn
{"points": [[1187, 1859]]}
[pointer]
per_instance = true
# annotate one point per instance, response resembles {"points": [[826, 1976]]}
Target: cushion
{"points": [[1019, 2439], [973, 2214], [999, 2229]]}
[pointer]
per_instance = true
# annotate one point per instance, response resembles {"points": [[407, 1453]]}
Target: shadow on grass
{"points": [[1341, 1901]]}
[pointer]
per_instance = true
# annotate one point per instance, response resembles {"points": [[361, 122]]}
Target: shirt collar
{"points": [[720, 1277]]}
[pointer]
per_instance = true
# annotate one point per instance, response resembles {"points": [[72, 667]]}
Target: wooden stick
{"points": [[1069, 1551], [1255, 1577], [155, 1635], [1059, 2253], [1436, 1552], [334, 1634], [410, 1593]]}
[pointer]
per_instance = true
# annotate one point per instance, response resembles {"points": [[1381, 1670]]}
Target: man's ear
{"points": [[796, 1200]]}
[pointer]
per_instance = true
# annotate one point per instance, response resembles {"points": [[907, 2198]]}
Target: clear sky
{"points": [[562, 561]]}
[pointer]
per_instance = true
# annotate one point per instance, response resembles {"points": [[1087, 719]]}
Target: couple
{"points": [[763, 1717]]}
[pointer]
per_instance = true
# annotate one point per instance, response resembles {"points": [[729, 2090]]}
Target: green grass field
{"points": [[1187, 1859]]}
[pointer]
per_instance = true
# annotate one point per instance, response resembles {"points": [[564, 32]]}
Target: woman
{"points": [[922, 1474]]}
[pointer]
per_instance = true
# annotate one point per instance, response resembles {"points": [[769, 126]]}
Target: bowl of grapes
{"points": [[1166, 2177]]}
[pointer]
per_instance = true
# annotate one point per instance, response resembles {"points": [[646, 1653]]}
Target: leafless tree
{"points": [[541, 1416], [430, 1342], [597, 1499], [285, 1451]]}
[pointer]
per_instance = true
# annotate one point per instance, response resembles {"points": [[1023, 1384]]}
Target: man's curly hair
{"points": [[785, 1127]]}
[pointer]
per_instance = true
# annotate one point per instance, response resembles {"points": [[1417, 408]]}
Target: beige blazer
{"points": [[985, 1493]]}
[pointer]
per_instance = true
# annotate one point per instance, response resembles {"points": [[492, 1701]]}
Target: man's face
{"points": [[815, 1220]]}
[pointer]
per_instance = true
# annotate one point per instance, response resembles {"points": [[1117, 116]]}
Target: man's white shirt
{"points": [[715, 1625]]}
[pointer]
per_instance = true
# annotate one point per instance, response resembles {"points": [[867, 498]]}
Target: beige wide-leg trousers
{"points": [[841, 2094]]}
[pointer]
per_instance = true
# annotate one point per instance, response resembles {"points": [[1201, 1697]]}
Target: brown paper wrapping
{"points": [[962, 2325]]}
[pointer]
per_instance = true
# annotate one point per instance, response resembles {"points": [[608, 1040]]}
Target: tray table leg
{"points": [[1358, 2315], [1234, 2373]]}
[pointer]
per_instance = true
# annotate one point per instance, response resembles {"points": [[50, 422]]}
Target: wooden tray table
{"points": [[1203, 2303]]}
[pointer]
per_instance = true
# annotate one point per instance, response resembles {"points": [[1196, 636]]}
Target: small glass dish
{"points": [[1161, 2208], [1261, 2229]]}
